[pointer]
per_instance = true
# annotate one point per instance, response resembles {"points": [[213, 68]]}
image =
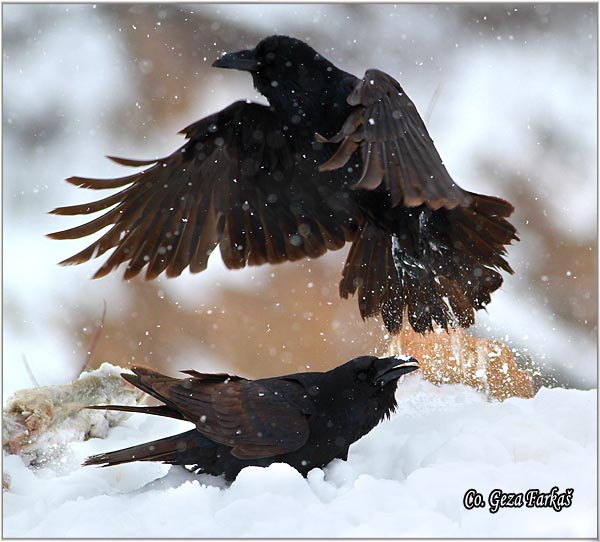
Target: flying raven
{"points": [[332, 159]]}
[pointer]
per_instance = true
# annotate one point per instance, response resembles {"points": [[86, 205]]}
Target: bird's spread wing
{"points": [[238, 182], [254, 419], [395, 146]]}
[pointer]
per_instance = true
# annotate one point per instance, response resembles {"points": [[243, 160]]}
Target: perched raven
{"points": [[305, 419], [332, 159]]}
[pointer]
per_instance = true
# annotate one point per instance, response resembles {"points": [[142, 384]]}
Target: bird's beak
{"points": [[394, 367], [242, 60]]}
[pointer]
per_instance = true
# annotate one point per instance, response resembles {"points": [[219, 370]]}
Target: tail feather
{"points": [[188, 448], [145, 379], [365, 269], [437, 266], [161, 410], [491, 206]]}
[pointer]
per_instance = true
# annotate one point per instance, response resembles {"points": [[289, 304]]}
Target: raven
{"points": [[332, 159], [304, 419]]}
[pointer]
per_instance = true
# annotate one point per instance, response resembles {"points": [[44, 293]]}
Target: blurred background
{"points": [[511, 91]]}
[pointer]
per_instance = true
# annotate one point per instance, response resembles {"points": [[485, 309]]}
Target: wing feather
{"points": [[255, 419], [398, 154], [238, 182]]}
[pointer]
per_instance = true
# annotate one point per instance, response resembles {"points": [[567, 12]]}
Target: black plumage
{"points": [[305, 419], [332, 159]]}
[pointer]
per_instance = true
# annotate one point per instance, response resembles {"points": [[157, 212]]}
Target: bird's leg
{"points": [[405, 262]]}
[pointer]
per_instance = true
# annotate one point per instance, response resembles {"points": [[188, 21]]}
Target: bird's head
{"points": [[281, 67], [368, 384], [381, 372]]}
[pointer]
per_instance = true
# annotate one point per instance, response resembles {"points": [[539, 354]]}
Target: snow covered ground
{"points": [[407, 478]]}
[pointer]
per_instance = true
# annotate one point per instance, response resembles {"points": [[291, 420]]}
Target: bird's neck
{"points": [[359, 414], [305, 110]]}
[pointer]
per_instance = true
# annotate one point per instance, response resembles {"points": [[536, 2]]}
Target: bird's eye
{"points": [[269, 57], [362, 376]]}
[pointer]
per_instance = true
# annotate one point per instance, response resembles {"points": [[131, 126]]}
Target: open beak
{"points": [[394, 367], [242, 60]]}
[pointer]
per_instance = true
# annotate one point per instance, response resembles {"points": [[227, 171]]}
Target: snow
{"points": [[497, 99], [407, 478], [402, 357]]}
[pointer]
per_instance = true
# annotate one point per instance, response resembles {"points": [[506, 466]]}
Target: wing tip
{"points": [[77, 181], [70, 261], [104, 270], [131, 162]]}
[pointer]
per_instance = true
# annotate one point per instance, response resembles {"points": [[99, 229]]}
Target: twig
{"points": [[433, 101], [30, 372], [95, 339]]}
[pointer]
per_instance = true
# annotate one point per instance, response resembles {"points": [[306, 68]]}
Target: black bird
{"points": [[331, 159], [304, 419]]}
